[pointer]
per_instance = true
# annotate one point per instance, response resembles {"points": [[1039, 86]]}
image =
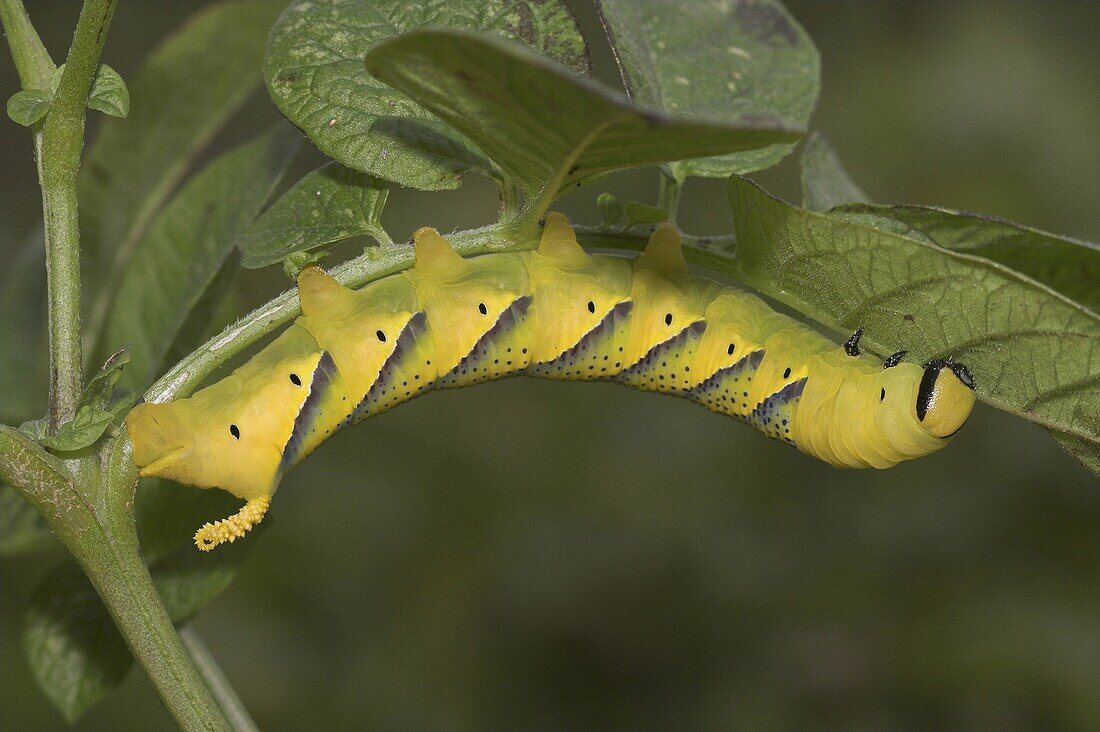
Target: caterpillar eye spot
{"points": [[729, 351], [668, 319], [787, 373], [235, 431], [381, 335], [482, 309], [295, 380], [591, 306], [882, 395]]}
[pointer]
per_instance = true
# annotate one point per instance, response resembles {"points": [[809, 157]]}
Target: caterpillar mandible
{"points": [[557, 313]]}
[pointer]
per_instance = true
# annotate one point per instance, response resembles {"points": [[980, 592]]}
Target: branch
{"points": [[59, 160], [32, 60], [231, 705]]}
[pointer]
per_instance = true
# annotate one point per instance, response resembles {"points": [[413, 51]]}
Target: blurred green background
{"points": [[544, 556]]}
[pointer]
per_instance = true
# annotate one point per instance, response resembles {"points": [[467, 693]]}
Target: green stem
{"points": [[62, 143], [32, 60], [668, 195], [231, 705]]}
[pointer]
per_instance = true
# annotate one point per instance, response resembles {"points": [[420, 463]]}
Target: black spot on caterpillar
{"points": [[828, 410]]}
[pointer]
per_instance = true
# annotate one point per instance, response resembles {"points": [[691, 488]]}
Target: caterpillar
{"points": [[558, 313]]}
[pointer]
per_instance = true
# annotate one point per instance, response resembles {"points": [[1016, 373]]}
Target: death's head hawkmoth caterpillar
{"points": [[556, 312]]}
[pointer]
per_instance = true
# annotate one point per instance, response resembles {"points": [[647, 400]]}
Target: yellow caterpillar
{"points": [[556, 313]]}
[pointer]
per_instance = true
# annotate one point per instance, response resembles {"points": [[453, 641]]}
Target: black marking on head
{"points": [[963, 374], [928, 386], [729, 351], [882, 395], [295, 380], [787, 373], [482, 309], [668, 319], [235, 431], [851, 347], [591, 306], [894, 359], [381, 335]]}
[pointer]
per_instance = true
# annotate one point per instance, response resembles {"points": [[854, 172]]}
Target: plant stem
{"points": [[59, 161], [231, 705], [668, 195], [32, 60]]}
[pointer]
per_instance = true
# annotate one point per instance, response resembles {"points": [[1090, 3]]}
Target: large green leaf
{"points": [[723, 60], [74, 649], [187, 247], [183, 94], [22, 529], [540, 123], [1033, 352], [1070, 266], [331, 204], [314, 71]]}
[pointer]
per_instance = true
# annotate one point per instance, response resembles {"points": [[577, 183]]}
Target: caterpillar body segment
{"points": [[556, 312]]}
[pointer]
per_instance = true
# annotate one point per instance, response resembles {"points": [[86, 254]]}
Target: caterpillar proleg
{"points": [[557, 313]]}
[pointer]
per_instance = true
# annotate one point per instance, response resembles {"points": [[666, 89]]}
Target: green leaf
{"points": [[1070, 266], [188, 245], [84, 429], [109, 93], [720, 60], [297, 261], [100, 390], [541, 124], [825, 183], [22, 529], [29, 106], [642, 213], [1033, 352], [331, 204], [74, 649], [314, 71], [184, 92], [611, 209]]}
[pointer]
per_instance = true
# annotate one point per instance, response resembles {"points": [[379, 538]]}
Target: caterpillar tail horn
{"points": [[237, 525]]}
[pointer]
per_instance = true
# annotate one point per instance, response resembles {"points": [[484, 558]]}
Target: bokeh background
{"points": [[544, 556]]}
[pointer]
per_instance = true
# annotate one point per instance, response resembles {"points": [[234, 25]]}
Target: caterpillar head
{"points": [[945, 397]]}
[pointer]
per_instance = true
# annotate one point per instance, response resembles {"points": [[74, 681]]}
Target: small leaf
{"points": [[825, 183], [642, 213], [716, 60], [29, 106], [22, 529], [1033, 352], [611, 209], [188, 246], [297, 261], [109, 93], [314, 71], [84, 429], [541, 124], [331, 204], [101, 387]]}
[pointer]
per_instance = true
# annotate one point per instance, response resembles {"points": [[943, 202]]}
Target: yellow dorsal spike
{"points": [[560, 242], [320, 293], [665, 251], [433, 252], [234, 527]]}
